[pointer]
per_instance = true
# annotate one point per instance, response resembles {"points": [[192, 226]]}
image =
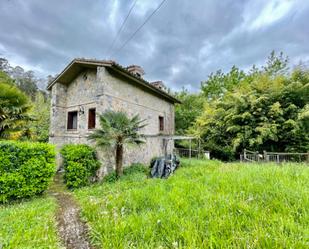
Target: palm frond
{"points": [[118, 128]]}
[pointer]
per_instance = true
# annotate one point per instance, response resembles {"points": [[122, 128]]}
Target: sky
{"points": [[181, 44]]}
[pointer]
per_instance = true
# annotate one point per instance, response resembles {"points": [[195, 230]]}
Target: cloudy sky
{"points": [[181, 44]]}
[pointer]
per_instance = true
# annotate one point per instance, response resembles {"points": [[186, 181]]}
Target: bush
{"points": [[25, 169], [80, 165]]}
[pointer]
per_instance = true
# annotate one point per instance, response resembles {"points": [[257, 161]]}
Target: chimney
{"points": [[136, 70], [159, 84]]}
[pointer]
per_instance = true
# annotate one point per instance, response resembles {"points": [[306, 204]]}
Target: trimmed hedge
{"points": [[80, 165], [26, 169]]}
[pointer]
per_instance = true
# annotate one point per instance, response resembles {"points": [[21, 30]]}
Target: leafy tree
{"points": [[37, 129], [5, 66], [219, 83], [6, 78], [14, 108], [276, 65], [24, 80], [270, 113], [27, 83], [186, 112], [117, 129]]}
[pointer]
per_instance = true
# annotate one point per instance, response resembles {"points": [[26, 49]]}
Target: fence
{"points": [[189, 153], [277, 157]]}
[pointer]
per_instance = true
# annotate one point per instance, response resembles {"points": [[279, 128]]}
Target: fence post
{"points": [[278, 159], [199, 149], [245, 156], [257, 156], [190, 150], [265, 155]]}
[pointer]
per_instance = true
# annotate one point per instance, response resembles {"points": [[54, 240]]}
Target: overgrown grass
{"points": [[206, 204], [28, 225]]}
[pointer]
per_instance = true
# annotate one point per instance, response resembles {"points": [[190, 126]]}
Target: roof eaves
{"points": [[80, 61], [145, 83], [118, 67]]}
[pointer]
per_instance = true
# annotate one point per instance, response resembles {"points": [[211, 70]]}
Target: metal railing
{"points": [[189, 153], [277, 157]]}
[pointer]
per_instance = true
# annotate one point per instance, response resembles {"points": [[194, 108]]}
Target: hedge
{"points": [[80, 165], [26, 169]]}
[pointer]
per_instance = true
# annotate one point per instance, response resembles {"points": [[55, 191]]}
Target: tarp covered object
{"points": [[163, 167]]}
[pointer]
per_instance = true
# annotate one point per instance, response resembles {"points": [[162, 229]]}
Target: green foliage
{"points": [[118, 129], [27, 83], [262, 109], [37, 129], [268, 114], [29, 224], [219, 83], [5, 78], [276, 64], [129, 172], [25, 169], [14, 109], [24, 80], [23, 85], [205, 204], [186, 112], [80, 165]]}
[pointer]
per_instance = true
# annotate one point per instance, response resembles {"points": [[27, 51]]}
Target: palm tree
{"points": [[14, 108], [117, 129]]}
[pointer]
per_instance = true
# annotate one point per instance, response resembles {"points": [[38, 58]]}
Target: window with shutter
{"points": [[91, 118], [161, 123]]}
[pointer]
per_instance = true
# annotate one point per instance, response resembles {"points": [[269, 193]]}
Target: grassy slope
{"points": [[29, 225], [204, 205]]}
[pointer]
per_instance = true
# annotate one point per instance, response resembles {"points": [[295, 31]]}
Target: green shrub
{"points": [[80, 165], [25, 169]]}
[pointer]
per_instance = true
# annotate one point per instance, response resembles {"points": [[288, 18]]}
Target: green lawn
{"points": [[204, 205], [29, 225]]}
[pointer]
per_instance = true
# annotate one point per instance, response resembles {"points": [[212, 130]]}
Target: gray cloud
{"points": [[182, 44]]}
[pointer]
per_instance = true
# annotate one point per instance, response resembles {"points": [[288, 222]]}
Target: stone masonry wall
{"points": [[104, 90]]}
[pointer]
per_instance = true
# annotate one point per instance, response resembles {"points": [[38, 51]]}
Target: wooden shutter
{"points": [[91, 118]]}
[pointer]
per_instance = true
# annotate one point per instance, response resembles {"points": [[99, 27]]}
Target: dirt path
{"points": [[73, 232]]}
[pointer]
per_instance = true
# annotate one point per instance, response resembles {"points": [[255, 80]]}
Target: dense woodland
{"points": [[265, 108]]}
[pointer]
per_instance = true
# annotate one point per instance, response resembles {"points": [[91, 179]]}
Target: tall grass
{"points": [[28, 225], [206, 204]]}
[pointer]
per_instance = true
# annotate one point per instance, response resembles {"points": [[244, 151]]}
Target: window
{"points": [[72, 120], [91, 118], [161, 123]]}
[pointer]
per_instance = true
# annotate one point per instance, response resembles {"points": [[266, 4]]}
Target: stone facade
{"points": [[103, 89]]}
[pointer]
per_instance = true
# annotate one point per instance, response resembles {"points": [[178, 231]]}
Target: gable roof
{"points": [[77, 65]]}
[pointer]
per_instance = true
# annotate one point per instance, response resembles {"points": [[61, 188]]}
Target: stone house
{"points": [[87, 88]]}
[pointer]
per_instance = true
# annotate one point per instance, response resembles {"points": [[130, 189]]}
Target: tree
{"points": [[37, 129], [186, 112], [270, 113], [4, 78], [117, 129], [24, 80], [276, 64], [219, 83], [27, 82], [14, 108]]}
